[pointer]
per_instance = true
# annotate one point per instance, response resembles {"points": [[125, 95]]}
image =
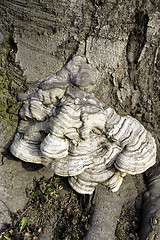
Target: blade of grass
{"points": [[23, 223]]}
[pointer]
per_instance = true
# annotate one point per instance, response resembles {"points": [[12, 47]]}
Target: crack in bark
{"points": [[137, 38]]}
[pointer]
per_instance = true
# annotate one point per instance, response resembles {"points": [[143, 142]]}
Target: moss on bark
{"points": [[11, 78]]}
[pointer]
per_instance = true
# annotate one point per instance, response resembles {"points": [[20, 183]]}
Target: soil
{"points": [[53, 210]]}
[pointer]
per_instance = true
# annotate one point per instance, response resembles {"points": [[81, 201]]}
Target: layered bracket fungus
{"points": [[65, 127]]}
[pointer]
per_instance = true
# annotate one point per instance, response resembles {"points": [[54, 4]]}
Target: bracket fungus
{"points": [[65, 127]]}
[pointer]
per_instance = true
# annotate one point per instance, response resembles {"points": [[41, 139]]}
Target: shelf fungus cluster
{"points": [[65, 127]]}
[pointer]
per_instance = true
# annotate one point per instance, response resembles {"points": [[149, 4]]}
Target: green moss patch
{"points": [[11, 77]]}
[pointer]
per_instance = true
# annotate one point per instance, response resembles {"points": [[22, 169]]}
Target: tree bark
{"points": [[121, 39]]}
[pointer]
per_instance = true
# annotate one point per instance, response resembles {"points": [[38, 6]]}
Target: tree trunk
{"points": [[121, 39]]}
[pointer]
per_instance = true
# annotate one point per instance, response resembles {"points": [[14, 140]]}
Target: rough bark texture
{"points": [[121, 39]]}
